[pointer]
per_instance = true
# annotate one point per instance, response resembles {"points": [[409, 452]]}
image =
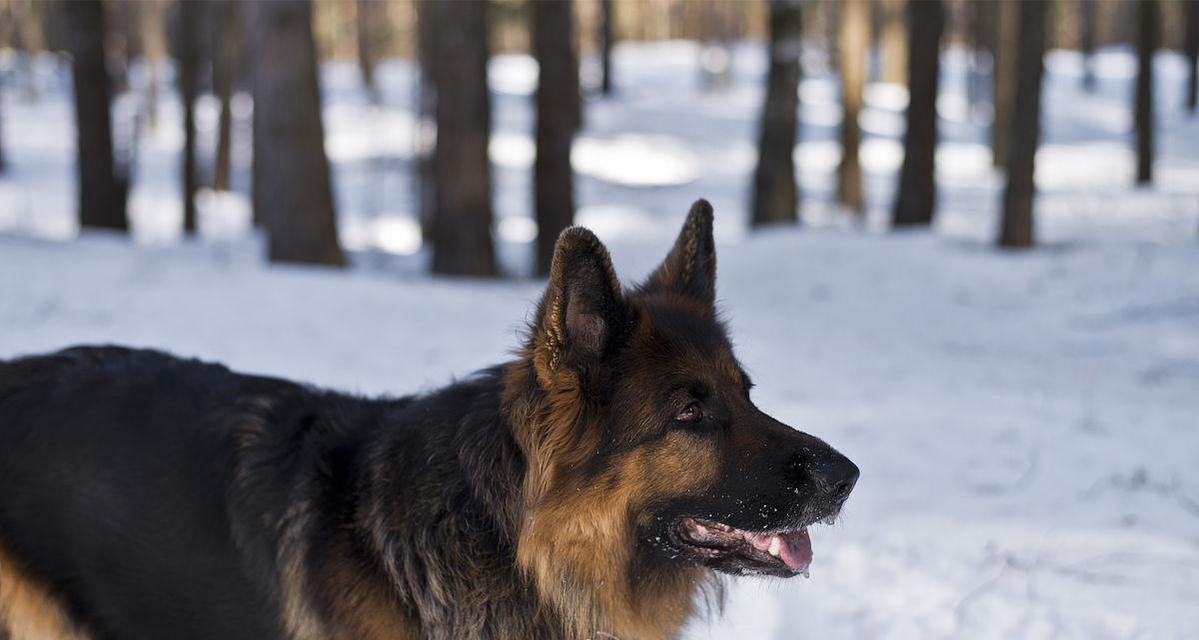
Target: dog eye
{"points": [[691, 413]]}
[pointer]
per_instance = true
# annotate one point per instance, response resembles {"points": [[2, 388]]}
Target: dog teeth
{"points": [[775, 545]]}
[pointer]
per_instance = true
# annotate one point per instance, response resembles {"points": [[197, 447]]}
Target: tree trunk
{"points": [[1192, 54], [776, 194], [462, 242], [101, 191], [226, 53], [894, 42], [369, 23], [557, 120], [855, 38], [3, 159], [154, 46], [1017, 224], [1005, 79], [1087, 42], [426, 140], [1147, 38], [606, 26], [291, 169], [189, 63], [917, 197]]}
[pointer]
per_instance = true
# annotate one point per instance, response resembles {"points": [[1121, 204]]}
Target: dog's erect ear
{"points": [[583, 311], [690, 268]]}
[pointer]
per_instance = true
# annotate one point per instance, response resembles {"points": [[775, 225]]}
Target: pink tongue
{"points": [[795, 548]]}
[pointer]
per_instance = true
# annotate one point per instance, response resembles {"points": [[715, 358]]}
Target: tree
{"points": [[101, 191], [371, 20], [1017, 223], [154, 46], [893, 40], [1147, 40], [916, 200], [461, 225], [188, 55], [1087, 44], [776, 194], [557, 120], [1005, 79], [606, 38], [1192, 54], [3, 159], [855, 38], [226, 53], [291, 172]]}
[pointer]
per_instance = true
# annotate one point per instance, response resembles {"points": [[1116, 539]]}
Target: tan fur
{"points": [[28, 610], [365, 610], [576, 539]]}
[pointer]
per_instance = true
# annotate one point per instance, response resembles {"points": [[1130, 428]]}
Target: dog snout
{"points": [[834, 476]]}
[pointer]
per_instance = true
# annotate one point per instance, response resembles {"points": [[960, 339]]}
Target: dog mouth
{"points": [[783, 553]]}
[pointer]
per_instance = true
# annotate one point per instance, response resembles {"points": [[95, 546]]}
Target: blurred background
{"points": [[958, 239]]}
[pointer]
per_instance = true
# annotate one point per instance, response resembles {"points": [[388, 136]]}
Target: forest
{"points": [[957, 238]]}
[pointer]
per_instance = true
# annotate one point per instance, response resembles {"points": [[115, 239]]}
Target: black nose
{"points": [[835, 475]]}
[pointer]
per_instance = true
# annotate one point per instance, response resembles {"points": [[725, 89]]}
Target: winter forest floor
{"points": [[1026, 424]]}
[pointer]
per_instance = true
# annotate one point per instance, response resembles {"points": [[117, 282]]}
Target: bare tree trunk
{"points": [[154, 46], [291, 169], [776, 194], [557, 120], [370, 16], [917, 197], [1148, 18], [855, 38], [607, 21], [893, 41], [1192, 54], [1017, 224], [226, 53], [101, 191], [1087, 42], [1005, 79], [3, 159], [462, 243], [189, 68], [426, 169]]}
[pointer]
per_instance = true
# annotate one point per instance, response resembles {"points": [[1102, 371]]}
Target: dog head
{"points": [[644, 447]]}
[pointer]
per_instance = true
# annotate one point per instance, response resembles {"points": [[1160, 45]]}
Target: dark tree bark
{"points": [[1017, 225], [1148, 20], [291, 170], [1007, 45], [1192, 54], [557, 120], [1087, 43], [188, 55], [461, 229], [101, 191], [917, 197], [776, 194], [855, 38], [226, 53], [607, 20]]}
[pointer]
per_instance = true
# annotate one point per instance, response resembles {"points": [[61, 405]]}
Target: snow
{"points": [[1025, 422]]}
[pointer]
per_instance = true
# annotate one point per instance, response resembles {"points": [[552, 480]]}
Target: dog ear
{"points": [[583, 310], [690, 267]]}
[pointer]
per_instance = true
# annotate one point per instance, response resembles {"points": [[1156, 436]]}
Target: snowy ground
{"points": [[1025, 423]]}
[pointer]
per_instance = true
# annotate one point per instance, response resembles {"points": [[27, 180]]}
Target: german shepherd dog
{"points": [[594, 487]]}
